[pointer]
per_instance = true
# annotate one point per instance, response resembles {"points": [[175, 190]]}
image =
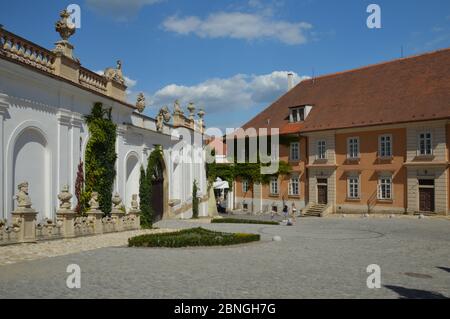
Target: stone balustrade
{"points": [[61, 63], [22, 50], [92, 80], [24, 227]]}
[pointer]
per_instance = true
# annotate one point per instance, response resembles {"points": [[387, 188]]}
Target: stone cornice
{"points": [[64, 117]]}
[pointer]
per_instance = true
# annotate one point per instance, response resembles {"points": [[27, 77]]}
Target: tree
{"points": [[195, 200], [101, 156]]}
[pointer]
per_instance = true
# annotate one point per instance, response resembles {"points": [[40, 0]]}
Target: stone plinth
{"points": [[136, 214], [95, 216], [117, 216], [67, 218], [25, 218]]}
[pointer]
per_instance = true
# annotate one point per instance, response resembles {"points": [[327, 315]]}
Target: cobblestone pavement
{"points": [[17, 253], [317, 258]]}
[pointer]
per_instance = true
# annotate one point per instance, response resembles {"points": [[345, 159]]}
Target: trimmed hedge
{"points": [[192, 237], [242, 221]]}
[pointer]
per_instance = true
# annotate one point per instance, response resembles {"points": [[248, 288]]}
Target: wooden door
{"points": [[426, 199], [322, 194]]}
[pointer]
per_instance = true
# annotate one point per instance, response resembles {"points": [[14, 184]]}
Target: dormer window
{"points": [[297, 115]]}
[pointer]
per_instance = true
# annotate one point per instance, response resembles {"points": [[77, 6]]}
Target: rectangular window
{"points": [[353, 188], [321, 150], [385, 188], [294, 189], [385, 146], [295, 152], [245, 186], [353, 147], [274, 186], [425, 144]]}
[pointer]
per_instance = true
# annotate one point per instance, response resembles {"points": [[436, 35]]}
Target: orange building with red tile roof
{"points": [[369, 140]]}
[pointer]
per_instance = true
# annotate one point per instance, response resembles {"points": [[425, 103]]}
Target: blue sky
{"points": [[231, 57]]}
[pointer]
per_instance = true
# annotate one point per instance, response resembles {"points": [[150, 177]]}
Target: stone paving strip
{"points": [[26, 252]]}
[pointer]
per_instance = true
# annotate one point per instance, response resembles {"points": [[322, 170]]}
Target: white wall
{"points": [[43, 136]]}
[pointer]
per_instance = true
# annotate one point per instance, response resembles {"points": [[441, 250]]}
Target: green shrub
{"points": [[190, 238], [195, 201], [242, 221]]}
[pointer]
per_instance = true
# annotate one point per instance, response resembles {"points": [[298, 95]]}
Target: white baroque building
{"points": [[44, 96]]}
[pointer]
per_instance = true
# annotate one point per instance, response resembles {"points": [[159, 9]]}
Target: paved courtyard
{"points": [[317, 258]]}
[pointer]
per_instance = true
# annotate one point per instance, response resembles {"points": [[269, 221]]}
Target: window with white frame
{"points": [[297, 115], [385, 146], [294, 186], [295, 151], [425, 144], [321, 149], [245, 186], [353, 187], [385, 188], [353, 147], [274, 189]]}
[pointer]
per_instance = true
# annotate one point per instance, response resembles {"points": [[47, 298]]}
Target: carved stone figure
{"points": [[177, 109], [140, 102], [23, 200], [134, 202], [191, 109], [116, 74], [117, 201], [64, 198], [93, 202], [201, 122], [163, 117], [64, 27]]}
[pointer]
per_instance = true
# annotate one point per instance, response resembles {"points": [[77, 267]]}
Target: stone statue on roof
{"points": [[116, 74]]}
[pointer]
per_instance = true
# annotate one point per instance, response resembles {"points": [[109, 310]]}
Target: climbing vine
{"points": [[195, 200], [100, 158], [145, 187], [79, 190]]}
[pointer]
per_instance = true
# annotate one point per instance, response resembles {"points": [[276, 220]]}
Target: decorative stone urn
{"points": [[117, 213], [95, 214], [24, 216], [65, 215], [191, 109]]}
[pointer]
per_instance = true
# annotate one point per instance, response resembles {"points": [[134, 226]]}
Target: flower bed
{"points": [[242, 221], [190, 238]]}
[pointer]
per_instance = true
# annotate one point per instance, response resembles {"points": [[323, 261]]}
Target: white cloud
{"points": [[238, 25], [222, 95], [121, 10]]}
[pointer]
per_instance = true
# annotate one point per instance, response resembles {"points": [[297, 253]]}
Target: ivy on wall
{"points": [[146, 185], [249, 171], [100, 157], [79, 190]]}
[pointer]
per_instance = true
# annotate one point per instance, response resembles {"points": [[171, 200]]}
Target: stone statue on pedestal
{"points": [[134, 203], [23, 200], [93, 202]]}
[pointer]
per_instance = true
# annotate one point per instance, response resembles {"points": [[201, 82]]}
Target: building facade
{"points": [[370, 140], [44, 98]]}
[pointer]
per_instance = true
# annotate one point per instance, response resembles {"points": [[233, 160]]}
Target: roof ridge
{"points": [[415, 56]]}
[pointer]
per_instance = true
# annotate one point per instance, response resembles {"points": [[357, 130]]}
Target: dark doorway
{"points": [[158, 193], [322, 191], [426, 199]]}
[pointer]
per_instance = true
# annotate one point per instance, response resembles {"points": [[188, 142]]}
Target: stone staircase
{"points": [[315, 210]]}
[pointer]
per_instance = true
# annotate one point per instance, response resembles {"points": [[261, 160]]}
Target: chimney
{"points": [[290, 80]]}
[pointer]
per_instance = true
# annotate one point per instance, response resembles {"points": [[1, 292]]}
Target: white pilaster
{"points": [[64, 141], [3, 111]]}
